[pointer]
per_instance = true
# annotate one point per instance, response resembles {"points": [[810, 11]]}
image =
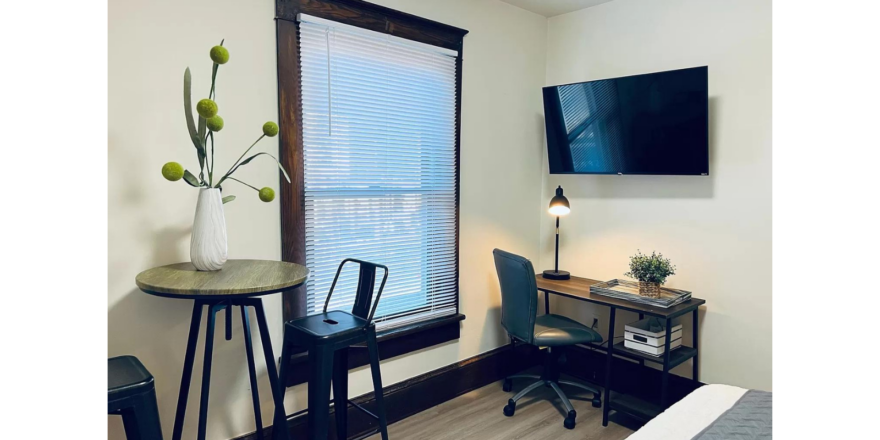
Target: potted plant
{"points": [[208, 249], [651, 271]]}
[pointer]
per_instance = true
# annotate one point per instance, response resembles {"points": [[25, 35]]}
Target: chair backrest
{"points": [[366, 284], [519, 294]]}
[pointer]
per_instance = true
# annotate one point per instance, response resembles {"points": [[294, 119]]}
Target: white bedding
{"points": [[685, 419]]}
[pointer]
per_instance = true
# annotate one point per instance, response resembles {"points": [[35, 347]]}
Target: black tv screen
{"points": [[656, 123]]}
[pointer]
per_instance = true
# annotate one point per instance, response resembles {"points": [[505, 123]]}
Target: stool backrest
{"points": [[366, 285]]}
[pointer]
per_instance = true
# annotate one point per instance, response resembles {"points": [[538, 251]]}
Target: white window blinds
{"points": [[379, 154]]}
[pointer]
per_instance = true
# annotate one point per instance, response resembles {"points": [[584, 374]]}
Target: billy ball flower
{"points": [[270, 129], [215, 123], [207, 108], [219, 54], [267, 194], [172, 171]]}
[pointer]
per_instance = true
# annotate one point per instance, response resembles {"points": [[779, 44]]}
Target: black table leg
{"points": [[340, 392], [320, 365], [546, 303], [664, 386], [278, 432], [606, 408], [696, 373], [192, 340], [206, 370], [252, 370]]}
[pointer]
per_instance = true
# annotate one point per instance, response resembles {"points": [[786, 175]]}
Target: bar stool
{"points": [[328, 336], [131, 393]]}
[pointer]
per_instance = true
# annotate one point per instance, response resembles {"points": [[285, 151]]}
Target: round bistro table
{"points": [[239, 283]]}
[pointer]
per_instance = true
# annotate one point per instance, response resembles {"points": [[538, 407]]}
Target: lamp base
{"points": [[556, 275]]}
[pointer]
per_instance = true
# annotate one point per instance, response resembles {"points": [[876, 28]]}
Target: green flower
{"points": [[267, 194], [207, 108], [215, 123], [219, 54], [270, 129], [172, 171]]}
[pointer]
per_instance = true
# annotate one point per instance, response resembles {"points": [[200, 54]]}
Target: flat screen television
{"points": [[657, 123]]}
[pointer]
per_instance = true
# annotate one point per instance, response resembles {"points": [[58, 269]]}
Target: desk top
{"points": [[238, 278], [579, 288]]}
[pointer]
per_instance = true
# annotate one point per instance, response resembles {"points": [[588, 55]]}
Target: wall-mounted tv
{"points": [[657, 123]]}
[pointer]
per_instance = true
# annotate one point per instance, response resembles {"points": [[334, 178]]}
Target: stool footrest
{"points": [[366, 411]]}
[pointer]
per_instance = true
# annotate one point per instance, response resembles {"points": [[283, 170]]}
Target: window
{"points": [[380, 168]]}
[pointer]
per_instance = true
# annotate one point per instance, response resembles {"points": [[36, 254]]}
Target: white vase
{"points": [[207, 250]]}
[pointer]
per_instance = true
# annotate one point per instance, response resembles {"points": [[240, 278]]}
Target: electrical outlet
{"points": [[595, 323]]}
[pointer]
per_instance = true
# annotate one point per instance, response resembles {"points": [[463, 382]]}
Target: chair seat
{"points": [[555, 330], [330, 325], [127, 376]]}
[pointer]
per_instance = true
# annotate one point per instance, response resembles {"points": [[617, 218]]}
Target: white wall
{"points": [[150, 219], [716, 229]]}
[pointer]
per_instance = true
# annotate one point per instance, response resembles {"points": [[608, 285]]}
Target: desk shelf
{"points": [[677, 357], [633, 406]]}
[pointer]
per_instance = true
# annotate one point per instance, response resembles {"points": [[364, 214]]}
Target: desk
{"points": [[579, 289], [239, 283]]}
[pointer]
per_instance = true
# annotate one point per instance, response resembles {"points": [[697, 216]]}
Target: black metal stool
{"points": [[131, 393], [328, 336]]}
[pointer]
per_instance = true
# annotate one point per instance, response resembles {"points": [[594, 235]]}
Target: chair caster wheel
{"points": [[510, 408], [507, 385], [570, 420], [597, 402]]}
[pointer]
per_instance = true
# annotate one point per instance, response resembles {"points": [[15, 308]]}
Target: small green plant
{"points": [[210, 123], [651, 269]]}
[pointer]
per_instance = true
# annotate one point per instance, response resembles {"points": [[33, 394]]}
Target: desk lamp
{"points": [[558, 207]]}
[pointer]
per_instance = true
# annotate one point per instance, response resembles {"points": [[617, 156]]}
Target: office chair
{"points": [[519, 307]]}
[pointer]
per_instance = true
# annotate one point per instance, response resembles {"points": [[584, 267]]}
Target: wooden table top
{"points": [[579, 288], [238, 278]]}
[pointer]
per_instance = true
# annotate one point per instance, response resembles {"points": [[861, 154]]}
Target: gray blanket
{"points": [[751, 417]]}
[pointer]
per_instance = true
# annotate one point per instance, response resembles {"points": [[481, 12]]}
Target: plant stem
{"points": [[211, 165], [239, 181], [232, 168]]}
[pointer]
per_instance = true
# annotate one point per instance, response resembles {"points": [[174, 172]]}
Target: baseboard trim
{"points": [[422, 392]]}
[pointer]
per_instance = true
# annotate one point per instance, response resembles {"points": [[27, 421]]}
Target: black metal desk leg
{"points": [[546, 302], [664, 387], [191, 342], [278, 432], [206, 370], [252, 370], [641, 361], [696, 373], [606, 408]]}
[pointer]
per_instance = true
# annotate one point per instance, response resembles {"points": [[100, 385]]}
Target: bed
{"points": [[714, 412]]}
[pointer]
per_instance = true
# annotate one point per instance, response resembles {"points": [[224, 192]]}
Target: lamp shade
{"points": [[559, 204]]}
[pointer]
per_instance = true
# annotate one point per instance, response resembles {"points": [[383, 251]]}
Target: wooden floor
{"points": [[477, 415]]}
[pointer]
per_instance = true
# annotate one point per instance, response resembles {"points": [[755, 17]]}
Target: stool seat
{"points": [[131, 393], [330, 325], [127, 376]]}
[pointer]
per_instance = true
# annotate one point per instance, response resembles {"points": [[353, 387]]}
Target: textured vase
{"points": [[649, 289], [207, 250]]}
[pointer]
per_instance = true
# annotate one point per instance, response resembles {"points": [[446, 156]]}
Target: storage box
{"points": [[641, 337]]}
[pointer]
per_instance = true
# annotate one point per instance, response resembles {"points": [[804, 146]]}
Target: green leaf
{"points": [[190, 179], [267, 154], [228, 199], [197, 141]]}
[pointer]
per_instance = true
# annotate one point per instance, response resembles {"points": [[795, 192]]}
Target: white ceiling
{"points": [[550, 8]]}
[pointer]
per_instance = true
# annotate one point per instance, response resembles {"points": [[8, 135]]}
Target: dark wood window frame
{"points": [[396, 341]]}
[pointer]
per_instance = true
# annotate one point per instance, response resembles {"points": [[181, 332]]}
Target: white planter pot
{"points": [[207, 250]]}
